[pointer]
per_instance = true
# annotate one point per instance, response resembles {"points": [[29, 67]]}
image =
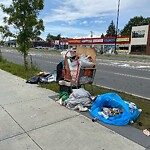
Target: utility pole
{"points": [[117, 26], [91, 37]]}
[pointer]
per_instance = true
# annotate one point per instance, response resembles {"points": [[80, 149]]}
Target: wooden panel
{"points": [[81, 50]]}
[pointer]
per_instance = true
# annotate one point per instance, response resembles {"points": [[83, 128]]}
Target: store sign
{"points": [[110, 40], [123, 39], [86, 41], [56, 42], [97, 40], [75, 41]]}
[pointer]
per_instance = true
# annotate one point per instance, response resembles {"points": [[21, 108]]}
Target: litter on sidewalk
{"points": [[42, 77], [146, 132], [77, 69], [110, 108]]}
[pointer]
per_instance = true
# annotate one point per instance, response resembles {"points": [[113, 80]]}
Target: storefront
{"points": [[104, 44], [137, 43]]}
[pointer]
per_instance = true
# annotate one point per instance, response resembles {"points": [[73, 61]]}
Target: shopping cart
{"points": [[77, 73]]}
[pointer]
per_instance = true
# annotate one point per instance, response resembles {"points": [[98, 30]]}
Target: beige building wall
{"points": [[140, 41]]}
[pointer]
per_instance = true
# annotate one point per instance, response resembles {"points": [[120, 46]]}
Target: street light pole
{"points": [[117, 25]]}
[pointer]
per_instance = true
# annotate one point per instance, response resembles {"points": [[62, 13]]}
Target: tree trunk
{"points": [[25, 62], [1, 58]]}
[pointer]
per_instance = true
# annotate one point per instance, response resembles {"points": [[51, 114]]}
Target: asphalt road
{"points": [[131, 76]]}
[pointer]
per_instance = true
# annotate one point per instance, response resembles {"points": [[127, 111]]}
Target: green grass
{"points": [[143, 120], [17, 70], [52, 86]]}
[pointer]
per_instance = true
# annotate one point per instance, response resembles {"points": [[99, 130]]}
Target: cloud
{"points": [[98, 21], [79, 9], [67, 31], [84, 22], [79, 17], [71, 22]]}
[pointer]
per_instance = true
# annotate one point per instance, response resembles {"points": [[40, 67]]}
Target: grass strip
{"points": [[143, 121]]}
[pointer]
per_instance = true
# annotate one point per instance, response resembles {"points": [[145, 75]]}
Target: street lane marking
{"points": [[139, 67], [132, 76], [126, 75]]}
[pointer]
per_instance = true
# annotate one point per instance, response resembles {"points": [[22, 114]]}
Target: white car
{"points": [[39, 47]]}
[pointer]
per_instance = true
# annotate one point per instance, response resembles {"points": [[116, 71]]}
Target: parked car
{"points": [[38, 47]]}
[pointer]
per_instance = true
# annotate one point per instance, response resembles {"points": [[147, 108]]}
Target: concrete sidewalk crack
{"points": [[21, 128], [54, 123]]}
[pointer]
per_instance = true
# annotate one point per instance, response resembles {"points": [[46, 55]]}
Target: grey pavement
{"points": [[31, 120]]}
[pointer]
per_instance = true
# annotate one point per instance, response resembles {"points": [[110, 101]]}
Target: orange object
{"points": [[87, 72]]}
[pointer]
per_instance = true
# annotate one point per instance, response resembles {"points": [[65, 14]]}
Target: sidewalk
{"points": [[29, 119]]}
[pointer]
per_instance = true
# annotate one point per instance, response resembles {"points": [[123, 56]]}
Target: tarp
{"points": [[113, 100]]}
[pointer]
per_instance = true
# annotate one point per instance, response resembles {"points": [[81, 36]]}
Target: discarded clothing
{"points": [[42, 77], [47, 78], [33, 80], [78, 97]]}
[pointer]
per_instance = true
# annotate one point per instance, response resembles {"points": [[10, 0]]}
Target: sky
{"points": [[78, 18]]}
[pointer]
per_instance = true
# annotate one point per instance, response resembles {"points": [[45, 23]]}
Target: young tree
{"points": [[111, 31], [23, 16], [1, 31], [135, 21]]}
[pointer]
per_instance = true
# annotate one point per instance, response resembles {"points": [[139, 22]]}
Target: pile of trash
{"points": [[42, 77], [108, 108], [79, 99], [78, 68]]}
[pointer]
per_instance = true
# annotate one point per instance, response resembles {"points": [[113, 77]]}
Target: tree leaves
{"points": [[111, 31], [23, 16], [135, 21]]}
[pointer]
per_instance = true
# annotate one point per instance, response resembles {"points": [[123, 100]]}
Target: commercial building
{"points": [[140, 40], [106, 43], [136, 43]]}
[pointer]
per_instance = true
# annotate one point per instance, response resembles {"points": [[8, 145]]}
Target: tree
{"points": [[102, 35], [135, 21], [1, 31], [4, 30], [59, 36], [53, 37], [49, 37], [23, 16], [111, 31]]}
